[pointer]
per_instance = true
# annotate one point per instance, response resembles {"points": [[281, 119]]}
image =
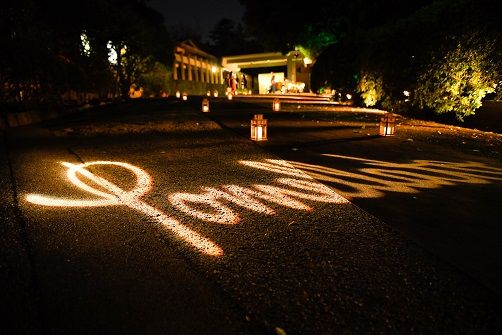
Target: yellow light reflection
{"points": [[286, 193], [210, 205], [376, 177], [118, 196]]}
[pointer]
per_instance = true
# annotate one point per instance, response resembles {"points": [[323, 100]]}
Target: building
{"points": [[197, 72]]}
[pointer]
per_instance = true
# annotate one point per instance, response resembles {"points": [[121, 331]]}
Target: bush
{"points": [[156, 81], [370, 86], [456, 80]]}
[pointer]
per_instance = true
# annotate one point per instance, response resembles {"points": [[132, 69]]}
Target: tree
{"points": [[43, 54], [229, 38], [457, 79], [370, 86]]}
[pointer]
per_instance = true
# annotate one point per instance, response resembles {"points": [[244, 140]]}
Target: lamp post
{"points": [[258, 128], [387, 125]]}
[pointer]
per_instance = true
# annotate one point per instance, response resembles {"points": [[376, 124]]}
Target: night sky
{"points": [[201, 15]]}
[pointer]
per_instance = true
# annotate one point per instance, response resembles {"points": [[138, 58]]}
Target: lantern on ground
{"points": [[205, 105], [258, 128], [229, 96], [387, 125], [276, 105], [215, 94], [178, 94], [185, 96]]}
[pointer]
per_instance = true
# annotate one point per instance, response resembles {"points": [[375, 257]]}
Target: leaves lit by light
{"points": [[86, 45]]}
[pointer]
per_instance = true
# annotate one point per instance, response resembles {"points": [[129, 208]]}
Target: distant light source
{"points": [[205, 105], [349, 96], [86, 45], [258, 128], [185, 96], [387, 125], [208, 93], [250, 92], [178, 94], [307, 61], [276, 105], [213, 69], [112, 53], [406, 93], [215, 94], [229, 96]]}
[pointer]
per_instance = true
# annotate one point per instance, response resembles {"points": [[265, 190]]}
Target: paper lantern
{"points": [[258, 128], [387, 125], [205, 105]]}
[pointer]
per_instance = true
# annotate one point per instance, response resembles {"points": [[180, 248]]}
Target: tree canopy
{"points": [[49, 47], [444, 56]]}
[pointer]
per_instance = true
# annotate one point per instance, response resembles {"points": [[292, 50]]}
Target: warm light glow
{"points": [[349, 96], [178, 94], [117, 196], [286, 193], [208, 93], [307, 61], [387, 125], [229, 96], [213, 69], [185, 96], [212, 204], [258, 128], [276, 105], [375, 178], [406, 93], [215, 94], [205, 105]]}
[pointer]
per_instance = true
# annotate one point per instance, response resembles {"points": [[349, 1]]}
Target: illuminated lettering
{"points": [[118, 196], [211, 205]]}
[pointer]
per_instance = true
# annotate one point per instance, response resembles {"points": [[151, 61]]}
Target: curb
{"points": [[14, 120]]}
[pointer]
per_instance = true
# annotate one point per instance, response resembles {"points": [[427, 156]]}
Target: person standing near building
{"points": [[272, 83], [233, 83]]}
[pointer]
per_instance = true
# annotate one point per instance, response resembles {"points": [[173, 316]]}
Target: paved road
{"points": [[152, 218]]}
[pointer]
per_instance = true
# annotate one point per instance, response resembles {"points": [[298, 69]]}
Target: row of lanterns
{"points": [[259, 124]]}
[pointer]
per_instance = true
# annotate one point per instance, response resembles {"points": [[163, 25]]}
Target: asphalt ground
{"points": [[305, 261]]}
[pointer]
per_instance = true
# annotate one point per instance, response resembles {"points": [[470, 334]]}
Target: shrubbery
{"points": [[446, 57]]}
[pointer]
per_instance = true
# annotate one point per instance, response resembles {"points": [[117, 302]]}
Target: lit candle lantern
{"points": [[178, 94], [215, 94], [258, 128], [276, 105], [387, 125], [208, 93], [229, 95], [205, 105], [185, 96]]}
